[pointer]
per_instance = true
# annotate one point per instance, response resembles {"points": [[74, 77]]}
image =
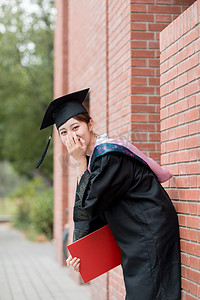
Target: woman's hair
{"points": [[85, 117]]}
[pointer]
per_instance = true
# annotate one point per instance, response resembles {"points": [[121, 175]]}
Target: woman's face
{"points": [[81, 129]]}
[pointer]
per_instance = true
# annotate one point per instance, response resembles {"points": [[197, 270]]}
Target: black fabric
{"points": [[64, 108], [143, 221], [45, 150], [83, 225]]}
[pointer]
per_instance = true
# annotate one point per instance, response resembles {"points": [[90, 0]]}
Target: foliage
{"points": [[35, 207], [7, 207], [26, 82], [9, 180], [41, 213]]}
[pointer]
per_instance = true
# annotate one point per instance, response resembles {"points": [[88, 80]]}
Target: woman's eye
{"points": [[63, 132]]}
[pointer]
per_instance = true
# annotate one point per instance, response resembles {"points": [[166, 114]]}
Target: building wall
{"points": [[113, 48], [180, 135]]}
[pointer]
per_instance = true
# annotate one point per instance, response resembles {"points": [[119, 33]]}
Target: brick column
{"points": [[148, 18], [180, 135], [60, 88]]}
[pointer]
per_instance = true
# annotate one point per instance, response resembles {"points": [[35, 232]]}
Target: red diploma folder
{"points": [[98, 253]]}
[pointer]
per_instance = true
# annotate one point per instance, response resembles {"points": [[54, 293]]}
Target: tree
{"points": [[26, 83]]}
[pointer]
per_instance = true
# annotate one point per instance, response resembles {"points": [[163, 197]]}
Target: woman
{"points": [[120, 186]]}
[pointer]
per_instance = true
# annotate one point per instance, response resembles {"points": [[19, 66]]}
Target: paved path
{"points": [[28, 271]]}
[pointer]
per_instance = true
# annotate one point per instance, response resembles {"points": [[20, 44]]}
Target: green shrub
{"points": [[30, 189], [41, 213], [22, 210], [35, 207]]}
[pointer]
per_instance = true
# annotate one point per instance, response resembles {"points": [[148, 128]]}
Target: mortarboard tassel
{"points": [[45, 150]]}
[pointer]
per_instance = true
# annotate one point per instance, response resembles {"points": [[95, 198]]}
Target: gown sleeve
{"points": [[108, 181]]}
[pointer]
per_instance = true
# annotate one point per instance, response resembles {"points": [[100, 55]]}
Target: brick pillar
{"points": [[148, 18], [60, 88], [180, 135]]}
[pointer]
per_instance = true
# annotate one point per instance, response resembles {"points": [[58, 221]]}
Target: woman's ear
{"points": [[91, 125]]}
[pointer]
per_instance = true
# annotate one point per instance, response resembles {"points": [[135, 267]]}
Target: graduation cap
{"points": [[61, 110]]}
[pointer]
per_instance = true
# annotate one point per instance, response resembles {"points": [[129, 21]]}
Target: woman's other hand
{"points": [[74, 262]]}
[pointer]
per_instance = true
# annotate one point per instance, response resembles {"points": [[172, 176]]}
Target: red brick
{"points": [[193, 154], [183, 208], [144, 127], [193, 141], [188, 64], [181, 105], [138, 26], [164, 9], [143, 108], [193, 238], [153, 44], [154, 62], [193, 275], [193, 222], [156, 27], [183, 2], [193, 195], [154, 81], [143, 71], [185, 284], [181, 131], [142, 35], [138, 8], [138, 81], [142, 1], [192, 101], [191, 88], [141, 118], [135, 62], [193, 288], [154, 99], [164, 18], [191, 36], [154, 137], [193, 181], [181, 80], [137, 44], [154, 118], [142, 17], [181, 55], [169, 2], [142, 90], [138, 99], [172, 73]]}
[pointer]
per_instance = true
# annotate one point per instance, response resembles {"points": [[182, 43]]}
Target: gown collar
{"points": [[108, 144]]}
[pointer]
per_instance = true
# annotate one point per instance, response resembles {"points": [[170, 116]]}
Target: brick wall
{"points": [[148, 18], [180, 135], [87, 68], [113, 48]]}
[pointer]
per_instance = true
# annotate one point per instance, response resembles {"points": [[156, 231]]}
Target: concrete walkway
{"points": [[28, 271]]}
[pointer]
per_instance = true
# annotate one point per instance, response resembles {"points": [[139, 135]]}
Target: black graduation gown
{"points": [[142, 219]]}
